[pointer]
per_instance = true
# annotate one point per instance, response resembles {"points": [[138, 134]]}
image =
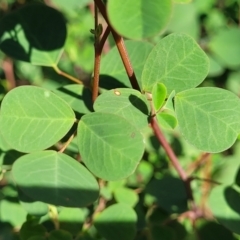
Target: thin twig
{"points": [[60, 72], [98, 52], [7, 66]]}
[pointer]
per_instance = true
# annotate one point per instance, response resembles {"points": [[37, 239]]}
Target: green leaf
{"points": [[227, 53], [77, 96], [181, 22], [111, 64], [176, 61], [71, 219], [224, 203], [182, 1], [70, 5], [34, 118], [60, 235], [109, 145], [167, 120], [13, 213], [126, 196], [208, 118], [117, 222], [139, 19], [28, 36], [55, 178], [170, 193], [159, 94], [31, 229], [128, 103], [32, 207]]}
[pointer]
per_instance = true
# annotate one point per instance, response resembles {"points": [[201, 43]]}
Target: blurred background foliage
{"points": [[154, 190]]}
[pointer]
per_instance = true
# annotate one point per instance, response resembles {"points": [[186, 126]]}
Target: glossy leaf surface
{"points": [[208, 118], [117, 222], [136, 19], [176, 61], [109, 145], [34, 118], [58, 179]]}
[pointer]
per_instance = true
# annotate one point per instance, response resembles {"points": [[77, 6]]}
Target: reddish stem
{"points": [[121, 47]]}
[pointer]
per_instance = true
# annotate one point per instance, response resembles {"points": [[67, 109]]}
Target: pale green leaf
{"points": [[117, 222], [13, 213], [142, 19], [159, 94], [182, 1], [55, 178], [128, 103], [126, 196], [176, 61], [167, 120], [225, 45], [34, 118], [208, 118], [109, 145]]}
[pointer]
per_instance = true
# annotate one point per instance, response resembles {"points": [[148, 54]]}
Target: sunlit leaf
{"points": [[109, 145], [176, 61], [34, 118], [128, 103], [159, 94], [208, 118], [142, 19]]}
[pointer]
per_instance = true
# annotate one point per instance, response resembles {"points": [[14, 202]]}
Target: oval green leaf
{"points": [[128, 103], [34, 118], [159, 94], [109, 145], [28, 36], [167, 120], [176, 61], [136, 19], [117, 222], [126, 196], [208, 118], [55, 178]]}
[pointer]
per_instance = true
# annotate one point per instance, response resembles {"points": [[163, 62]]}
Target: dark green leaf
{"points": [[117, 222], [28, 36]]}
